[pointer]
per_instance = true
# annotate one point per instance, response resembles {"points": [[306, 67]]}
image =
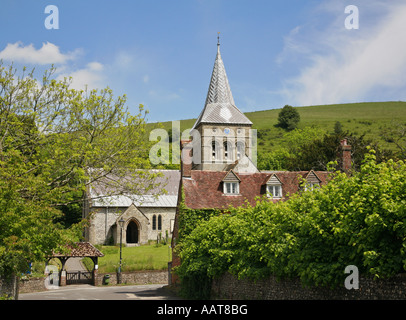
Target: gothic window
{"points": [[228, 150], [240, 149], [159, 222], [154, 222], [214, 150]]}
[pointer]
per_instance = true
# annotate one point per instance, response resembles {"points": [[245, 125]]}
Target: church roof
{"points": [[219, 107], [169, 181]]}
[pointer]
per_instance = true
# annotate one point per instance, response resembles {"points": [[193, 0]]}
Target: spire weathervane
{"points": [[218, 38]]}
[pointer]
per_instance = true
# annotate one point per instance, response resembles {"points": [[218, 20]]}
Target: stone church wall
{"points": [[102, 228], [168, 217]]}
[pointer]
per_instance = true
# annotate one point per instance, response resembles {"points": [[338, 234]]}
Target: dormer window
{"points": [[231, 183], [274, 187], [312, 181], [311, 186]]}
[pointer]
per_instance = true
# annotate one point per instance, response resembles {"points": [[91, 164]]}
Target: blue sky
{"points": [[161, 53]]}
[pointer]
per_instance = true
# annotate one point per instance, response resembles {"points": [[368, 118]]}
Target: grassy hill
{"points": [[358, 118]]}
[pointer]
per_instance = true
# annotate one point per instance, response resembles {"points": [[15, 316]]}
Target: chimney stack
{"points": [[186, 158], [346, 156]]}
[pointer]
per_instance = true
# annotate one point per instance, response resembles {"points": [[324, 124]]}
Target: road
{"points": [[89, 292]]}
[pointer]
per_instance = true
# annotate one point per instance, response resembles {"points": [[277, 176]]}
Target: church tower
{"points": [[225, 132]]}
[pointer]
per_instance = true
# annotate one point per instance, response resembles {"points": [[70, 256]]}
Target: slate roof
{"points": [[204, 189], [219, 107], [169, 181]]}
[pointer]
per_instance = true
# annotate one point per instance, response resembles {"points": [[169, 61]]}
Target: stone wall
{"points": [[229, 287], [36, 284], [9, 287], [32, 285], [136, 277]]}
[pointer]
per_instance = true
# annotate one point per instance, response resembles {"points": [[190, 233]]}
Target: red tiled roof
{"points": [[204, 189], [81, 249]]}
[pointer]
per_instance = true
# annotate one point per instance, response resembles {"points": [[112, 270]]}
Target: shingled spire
{"points": [[219, 107]]}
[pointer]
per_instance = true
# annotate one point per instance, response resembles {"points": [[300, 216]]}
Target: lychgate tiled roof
{"points": [[81, 249]]}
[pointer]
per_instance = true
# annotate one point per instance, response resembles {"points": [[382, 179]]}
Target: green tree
{"points": [[288, 118], [395, 134], [316, 154], [54, 143], [338, 127]]}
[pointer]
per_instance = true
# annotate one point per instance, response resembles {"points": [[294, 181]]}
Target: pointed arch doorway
{"points": [[132, 232], [135, 228]]}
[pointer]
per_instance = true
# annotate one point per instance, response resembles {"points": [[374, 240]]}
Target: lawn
{"points": [[145, 257]]}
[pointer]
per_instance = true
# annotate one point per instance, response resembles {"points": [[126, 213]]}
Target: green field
{"points": [[145, 257], [358, 118]]}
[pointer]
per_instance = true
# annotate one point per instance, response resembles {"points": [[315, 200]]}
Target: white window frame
{"points": [[271, 190], [232, 186], [310, 186]]}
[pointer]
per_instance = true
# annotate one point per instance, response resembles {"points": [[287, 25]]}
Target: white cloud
{"points": [[92, 77], [350, 65], [47, 54], [124, 60]]}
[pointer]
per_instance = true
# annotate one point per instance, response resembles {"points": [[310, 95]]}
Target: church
{"points": [[224, 171]]}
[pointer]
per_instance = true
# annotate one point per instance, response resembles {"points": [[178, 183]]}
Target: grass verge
{"points": [[145, 257]]}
